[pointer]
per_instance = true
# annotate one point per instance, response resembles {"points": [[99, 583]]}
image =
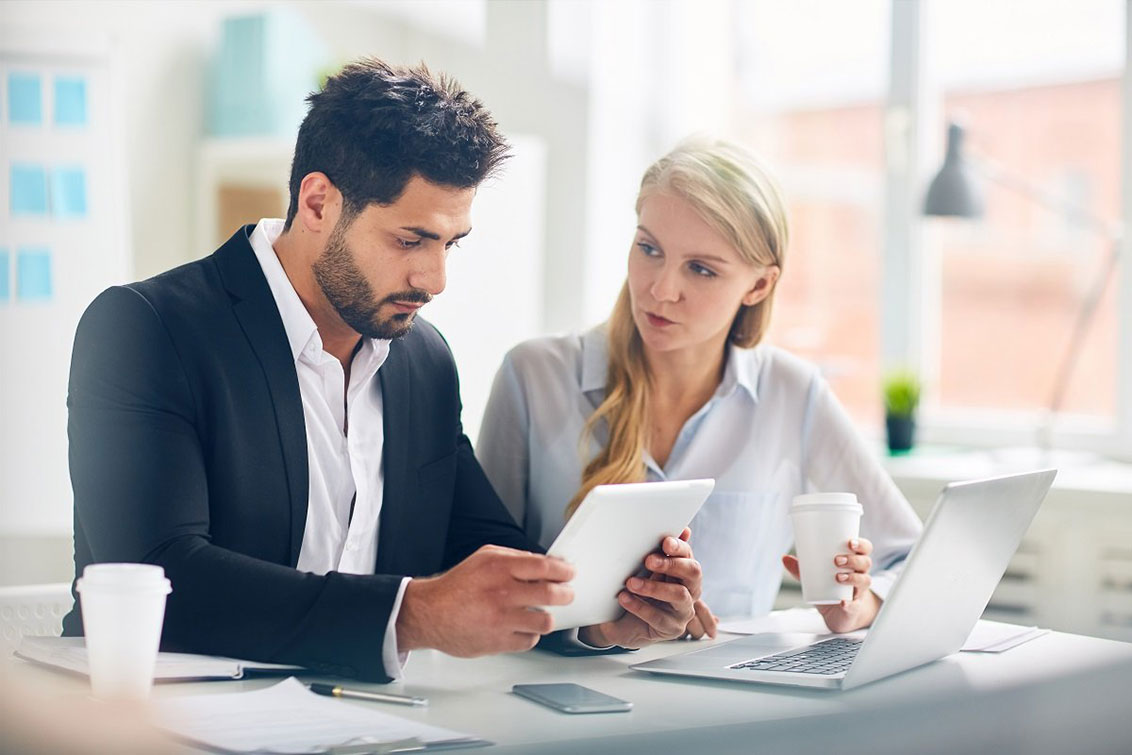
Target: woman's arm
{"points": [[837, 458], [502, 448]]}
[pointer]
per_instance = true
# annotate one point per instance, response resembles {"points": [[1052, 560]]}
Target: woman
{"points": [[677, 386]]}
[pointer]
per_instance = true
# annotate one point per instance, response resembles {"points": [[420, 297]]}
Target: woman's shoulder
{"points": [[557, 355], [780, 370]]}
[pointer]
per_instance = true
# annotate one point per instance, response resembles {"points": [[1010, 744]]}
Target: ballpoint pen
{"points": [[332, 690]]}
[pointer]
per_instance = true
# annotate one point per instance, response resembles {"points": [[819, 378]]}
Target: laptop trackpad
{"points": [[758, 645]]}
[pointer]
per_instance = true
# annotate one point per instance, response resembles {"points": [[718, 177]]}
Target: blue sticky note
{"points": [[68, 195], [28, 189], [33, 274], [25, 103], [4, 284], [70, 101]]}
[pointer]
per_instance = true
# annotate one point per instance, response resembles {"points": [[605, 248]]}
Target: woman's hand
{"points": [[848, 615], [657, 607]]}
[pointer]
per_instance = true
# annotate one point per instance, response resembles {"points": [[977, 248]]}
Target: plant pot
{"points": [[901, 433]]}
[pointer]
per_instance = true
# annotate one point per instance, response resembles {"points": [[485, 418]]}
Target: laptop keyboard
{"points": [[825, 658]]}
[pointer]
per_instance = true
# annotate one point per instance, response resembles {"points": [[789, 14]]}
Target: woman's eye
{"points": [[700, 270], [648, 249]]}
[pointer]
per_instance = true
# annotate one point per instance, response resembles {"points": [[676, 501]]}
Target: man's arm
{"points": [[142, 494]]}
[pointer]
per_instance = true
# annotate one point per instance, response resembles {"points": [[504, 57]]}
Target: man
{"points": [[273, 426]]}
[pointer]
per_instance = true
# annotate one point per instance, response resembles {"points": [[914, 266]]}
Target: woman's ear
{"points": [[763, 286]]}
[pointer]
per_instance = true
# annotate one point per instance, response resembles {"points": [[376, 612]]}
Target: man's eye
{"points": [[408, 244], [452, 244]]}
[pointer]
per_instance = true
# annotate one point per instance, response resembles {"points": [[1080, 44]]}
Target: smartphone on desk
{"points": [[571, 698]]}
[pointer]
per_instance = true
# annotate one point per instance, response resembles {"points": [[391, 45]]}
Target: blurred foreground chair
{"points": [[32, 610]]}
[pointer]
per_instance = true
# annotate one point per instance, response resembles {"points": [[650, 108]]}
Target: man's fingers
{"points": [[527, 621], [664, 624], [519, 642], [681, 568], [520, 594], [673, 593], [695, 629], [673, 546], [534, 567], [686, 534], [706, 619]]}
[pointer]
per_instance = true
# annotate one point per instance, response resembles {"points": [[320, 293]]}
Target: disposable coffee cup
{"points": [[123, 607], [824, 523]]}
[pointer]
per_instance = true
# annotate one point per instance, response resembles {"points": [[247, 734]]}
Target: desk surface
{"points": [[1058, 693]]}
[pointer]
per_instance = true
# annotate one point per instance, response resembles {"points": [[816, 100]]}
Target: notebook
{"points": [[69, 654], [288, 718]]}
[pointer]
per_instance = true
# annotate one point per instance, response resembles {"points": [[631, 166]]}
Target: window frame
{"points": [[911, 300]]}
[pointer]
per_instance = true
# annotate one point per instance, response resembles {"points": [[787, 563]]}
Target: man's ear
{"points": [[763, 286], [320, 203]]}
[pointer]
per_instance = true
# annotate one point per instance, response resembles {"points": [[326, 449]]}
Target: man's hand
{"points": [[848, 615], [657, 607], [483, 604]]}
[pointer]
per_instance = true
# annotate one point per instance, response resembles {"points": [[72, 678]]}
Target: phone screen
{"points": [[571, 698]]}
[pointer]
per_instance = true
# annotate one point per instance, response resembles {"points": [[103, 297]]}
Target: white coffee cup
{"points": [[824, 523], [123, 608]]}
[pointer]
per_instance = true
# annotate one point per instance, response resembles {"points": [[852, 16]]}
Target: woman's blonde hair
{"points": [[731, 191]]}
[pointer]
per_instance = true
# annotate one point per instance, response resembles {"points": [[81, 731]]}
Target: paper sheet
{"points": [[289, 718], [995, 637], [69, 654], [986, 637]]}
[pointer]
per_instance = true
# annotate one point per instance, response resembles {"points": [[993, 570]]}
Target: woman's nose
{"points": [[665, 287]]}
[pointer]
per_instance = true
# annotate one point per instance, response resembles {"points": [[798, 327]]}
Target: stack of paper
{"points": [[69, 654], [289, 718], [995, 637]]}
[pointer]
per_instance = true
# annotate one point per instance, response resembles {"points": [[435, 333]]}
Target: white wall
{"points": [[164, 48]]}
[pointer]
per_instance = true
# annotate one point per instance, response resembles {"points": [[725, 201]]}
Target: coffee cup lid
{"points": [[123, 577], [825, 501]]}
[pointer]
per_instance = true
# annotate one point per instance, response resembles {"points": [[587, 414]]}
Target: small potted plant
{"points": [[901, 398]]}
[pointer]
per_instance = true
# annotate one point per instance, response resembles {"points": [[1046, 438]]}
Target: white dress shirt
{"points": [[773, 429], [345, 439]]}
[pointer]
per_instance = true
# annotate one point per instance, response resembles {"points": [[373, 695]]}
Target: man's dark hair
{"points": [[374, 126]]}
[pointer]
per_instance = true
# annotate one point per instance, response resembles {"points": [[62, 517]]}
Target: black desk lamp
{"points": [[954, 193]]}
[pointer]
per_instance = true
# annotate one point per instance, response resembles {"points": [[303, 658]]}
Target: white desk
{"points": [[1059, 693]]}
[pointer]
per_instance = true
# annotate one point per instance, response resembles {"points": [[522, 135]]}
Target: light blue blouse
{"points": [[773, 429]]}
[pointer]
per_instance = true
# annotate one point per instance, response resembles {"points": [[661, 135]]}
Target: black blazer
{"points": [[188, 450]]}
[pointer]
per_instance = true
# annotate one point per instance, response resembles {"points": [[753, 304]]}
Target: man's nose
{"points": [[428, 272]]}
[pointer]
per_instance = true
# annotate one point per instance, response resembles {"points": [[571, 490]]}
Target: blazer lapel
{"points": [[258, 315], [396, 392]]}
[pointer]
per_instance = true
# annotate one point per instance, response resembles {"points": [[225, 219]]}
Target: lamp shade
{"points": [[953, 192]]}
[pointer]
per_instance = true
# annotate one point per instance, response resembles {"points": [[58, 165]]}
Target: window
{"points": [[1044, 119], [812, 105]]}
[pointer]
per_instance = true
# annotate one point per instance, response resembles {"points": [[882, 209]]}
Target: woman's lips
{"points": [[657, 321]]}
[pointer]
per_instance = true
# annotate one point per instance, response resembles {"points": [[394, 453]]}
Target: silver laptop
{"points": [[948, 579]]}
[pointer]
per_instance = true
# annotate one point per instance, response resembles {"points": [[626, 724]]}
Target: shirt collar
{"points": [[302, 333], [741, 370]]}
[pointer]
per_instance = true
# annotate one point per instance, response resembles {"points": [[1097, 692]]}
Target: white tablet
{"points": [[610, 534]]}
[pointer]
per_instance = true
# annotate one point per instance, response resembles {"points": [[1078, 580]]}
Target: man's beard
{"points": [[350, 294]]}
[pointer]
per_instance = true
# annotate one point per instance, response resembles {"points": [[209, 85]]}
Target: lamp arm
{"points": [[1022, 185], [1081, 326]]}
